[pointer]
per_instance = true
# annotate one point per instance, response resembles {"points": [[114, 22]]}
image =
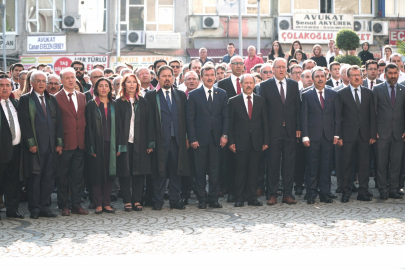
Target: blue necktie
{"points": [[169, 103]]}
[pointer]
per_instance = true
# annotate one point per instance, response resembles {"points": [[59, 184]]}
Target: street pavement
{"points": [[375, 230]]}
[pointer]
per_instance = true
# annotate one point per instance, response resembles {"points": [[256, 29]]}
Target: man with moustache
{"points": [[357, 132], [72, 105], [95, 74], [78, 66], [207, 126], [170, 158], [53, 84], [248, 137], [320, 131], [156, 65]]}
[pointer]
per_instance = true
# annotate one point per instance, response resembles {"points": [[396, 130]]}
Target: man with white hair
{"points": [[203, 56], [95, 74], [125, 71], [396, 59], [343, 75], [53, 84], [252, 59], [119, 67], [42, 135], [144, 77], [117, 85]]}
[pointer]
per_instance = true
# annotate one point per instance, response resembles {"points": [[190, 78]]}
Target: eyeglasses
{"points": [[97, 77], [4, 76], [267, 72], [175, 66], [282, 67], [237, 63], [78, 68], [40, 81], [297, 72]]}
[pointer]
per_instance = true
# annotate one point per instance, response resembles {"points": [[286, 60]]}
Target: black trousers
{"points": [[246, 173], [102, 191], [187, 182], [281, 147], [171, 157], [300, 164], [40, 186], [71, 166], [132, 194], [10, 180], [207, 156], [360, 150], [148, 194], [319, 155], [261, 174], [389, 151]]}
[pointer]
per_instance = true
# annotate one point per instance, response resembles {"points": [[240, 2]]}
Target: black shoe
{"points": [[372, 174], [354, 189], [339, 190], [178, 206], [91, 206], [14, 215], [47, 214], [325, 198], [157, 207], [202, 205], [345, 199], [384, 196], [369, 193], [395, 196], [239, 204], [364, 198], [333, 173], [306, 196], [166, 197], [98, 212], [231, 198], [112, 211], [148, 203], [401, 191], [34, 216], [113, 198], [255, 203], [184, 201], [215, 205], [311, 201], [55, 190], [298, 191], [331, 195]]}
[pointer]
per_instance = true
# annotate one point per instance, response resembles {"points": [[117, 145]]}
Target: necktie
{"points": [[337, 83], [321, 99], [43, 104], [371, 85], [282, 92], [16, 86], [169, 103], [209, 100], [393, 95], [10, 119], [357, 98], [250, 107], [238, 90], [72, 106]]}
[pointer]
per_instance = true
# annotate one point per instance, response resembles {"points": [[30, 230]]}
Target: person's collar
{"points": [[234, 77], [67, 93], [389, 85], [317, 90], [339, 80], [278, 81], [352, 87], [375, 80], [158, 87], [245, 96], [206, 88]]}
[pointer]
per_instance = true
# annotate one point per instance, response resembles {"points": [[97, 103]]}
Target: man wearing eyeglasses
{"points": [[53, 84], [42, 136], [95, 74], [232, 87], [78, 66], [175, 65]]}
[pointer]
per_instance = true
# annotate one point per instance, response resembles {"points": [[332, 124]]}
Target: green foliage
{"points": [[401, 47], [348, 59], [347, 40]]}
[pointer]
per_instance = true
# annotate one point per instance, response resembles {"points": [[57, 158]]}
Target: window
{"points": [[44, 16], [149, 15], [229, 7], [394, 8], [11, 17], [93, 16], [356, 7]]}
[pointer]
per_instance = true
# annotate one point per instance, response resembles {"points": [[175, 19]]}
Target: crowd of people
{"points": [[244, 128]]}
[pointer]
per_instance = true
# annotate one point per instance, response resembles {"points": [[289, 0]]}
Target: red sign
{"points": [[62, 63], [396, 35]]}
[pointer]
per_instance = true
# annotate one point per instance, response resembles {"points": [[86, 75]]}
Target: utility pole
{"points": [[258, 26], [3, 17], [240, 29], [118, 31]]}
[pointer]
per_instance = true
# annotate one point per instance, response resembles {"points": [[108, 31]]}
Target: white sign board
{"points": [[49, 44], [322, 21], [162, 40], [144, 60], [314, 37], [10, 42]]}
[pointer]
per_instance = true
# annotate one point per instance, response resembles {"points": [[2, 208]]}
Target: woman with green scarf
{"points": [[365, 54]]}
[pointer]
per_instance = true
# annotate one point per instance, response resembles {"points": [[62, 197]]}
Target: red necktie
{"points": [[371, 85], [72, 106], [321, 98], [238, 90], [250, 107]]}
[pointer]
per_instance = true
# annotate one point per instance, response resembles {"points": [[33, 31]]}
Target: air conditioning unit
{"points": [[135, 37], [210, 22], [379, 28], [361, 26], [71, 21], [284, 23]]}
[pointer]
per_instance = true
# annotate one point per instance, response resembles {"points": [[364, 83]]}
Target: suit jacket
{"points": [[201, 122], [227, 85], [330, 83], [6, 139], [378, 81], [74, 123], [88, 96], [278, 112], [316, 121], [354, 120], [242, 130], [390, 120]]}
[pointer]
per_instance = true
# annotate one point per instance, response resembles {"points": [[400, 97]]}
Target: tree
{"points": [[401, 47], [347, 40], [348, 59]]}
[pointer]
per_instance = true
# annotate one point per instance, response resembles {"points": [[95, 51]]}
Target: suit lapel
{"points": [[178, 101], [289, 93], [315, 96], [203, 96], [385, 89], [215, 98], [275, 87], [255, 105], [351, 98], [67, 102], [242, 104], [38, 103], [327, 96], [231, 85], [400, 93]]}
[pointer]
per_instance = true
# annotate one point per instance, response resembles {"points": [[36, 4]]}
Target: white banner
{"points": [[36, 44], [322, 21], [10, 42]]}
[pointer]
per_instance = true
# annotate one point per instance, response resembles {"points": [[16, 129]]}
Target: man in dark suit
{"points": [[232, 87], [248, 137], [372, 72], [335, 79], [170, 158], [356, 112], [72, 105], [389, 99], [320, 129], [10, 148], [42, 133], [283, 109], [207, 126], [156, 65]]}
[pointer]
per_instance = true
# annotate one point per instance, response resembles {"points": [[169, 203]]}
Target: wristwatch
{"points": [[225, 136]]}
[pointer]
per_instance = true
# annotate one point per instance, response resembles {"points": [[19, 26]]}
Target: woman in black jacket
{"points": [[318, 56], [295, 46], [136, 133], [276, 51], [365, 54]]}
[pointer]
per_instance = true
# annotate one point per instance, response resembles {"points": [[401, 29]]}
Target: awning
{"points": [[217, 54]]}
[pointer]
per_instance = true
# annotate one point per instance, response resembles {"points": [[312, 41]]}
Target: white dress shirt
{"points": [[143, 90], [358, 92], [74, 97], [208, 94], [335, 82], [284, 81], [245, 99], [369, 83], [17, 138], [329, 55], [300, 85], [39, 97], [132, 123], [234, 82]]}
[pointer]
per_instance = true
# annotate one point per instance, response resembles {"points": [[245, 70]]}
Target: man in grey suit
{"points": [[372, 72], [389, 99]]}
